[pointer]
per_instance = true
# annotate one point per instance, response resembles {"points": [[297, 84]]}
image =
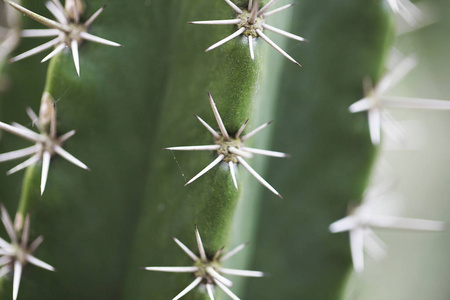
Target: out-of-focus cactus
{"points": [[129, 103]]}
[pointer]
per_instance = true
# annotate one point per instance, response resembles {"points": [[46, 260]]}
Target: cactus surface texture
{"points": [[121, 227]]}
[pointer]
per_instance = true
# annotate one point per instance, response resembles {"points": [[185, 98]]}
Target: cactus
{"points": [[132, 108]]}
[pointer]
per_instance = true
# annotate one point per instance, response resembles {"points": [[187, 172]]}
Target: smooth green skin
{"points": [[28, 194], [101, 226]]}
